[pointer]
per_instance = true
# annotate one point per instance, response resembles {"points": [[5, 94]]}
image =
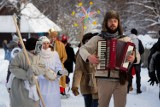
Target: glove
{"points": [[30, 71], [152, 81], [30, 75], [75, 91], [63, 72], [50, 75], [153, 78]]}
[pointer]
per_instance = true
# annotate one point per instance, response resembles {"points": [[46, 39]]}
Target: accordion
{"points": [[113, 53]]}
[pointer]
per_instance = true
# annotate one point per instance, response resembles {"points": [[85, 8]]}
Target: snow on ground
{"points": [[149, 97]]}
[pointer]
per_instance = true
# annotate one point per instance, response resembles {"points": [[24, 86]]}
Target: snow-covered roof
{"points": [[7, 24], [32, 20]]}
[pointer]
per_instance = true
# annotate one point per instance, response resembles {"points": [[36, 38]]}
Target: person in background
{"points": [[4, 45], [50, 89], [10, 46], [60, 48], [154, 65], [115, 84], [153, 50], [154, 69], [84, 76], [68, 64], [137, 67], [23, 92]]}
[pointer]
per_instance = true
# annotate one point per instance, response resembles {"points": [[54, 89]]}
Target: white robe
{"points": [[50, 89]]}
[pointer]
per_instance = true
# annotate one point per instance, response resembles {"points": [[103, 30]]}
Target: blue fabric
{"points": [[5, 54], [8, 55], [95, 103], [89, 102]]}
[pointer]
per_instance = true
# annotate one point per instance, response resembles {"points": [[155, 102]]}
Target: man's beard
{"points": [[112, 31]]}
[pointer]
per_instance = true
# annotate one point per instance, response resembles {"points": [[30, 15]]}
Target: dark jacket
{"points": [[154, 65], [141, 48], [68, 64]]}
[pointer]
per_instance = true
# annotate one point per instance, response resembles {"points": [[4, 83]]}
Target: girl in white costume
{"points": [[50, 89]]}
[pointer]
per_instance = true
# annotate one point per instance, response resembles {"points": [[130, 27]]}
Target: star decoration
{"points": [[86, 14]]}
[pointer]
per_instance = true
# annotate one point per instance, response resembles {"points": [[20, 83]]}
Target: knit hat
{"points": [[88, 36], [64, 38], [31, 43], [134, 31], [44, 39], [109, 15], [52, 33]]}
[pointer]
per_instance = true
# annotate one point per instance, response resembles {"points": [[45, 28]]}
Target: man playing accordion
{"points": [[111, 80]]}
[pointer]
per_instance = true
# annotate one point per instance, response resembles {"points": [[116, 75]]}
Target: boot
{"points": [[139, 91]]}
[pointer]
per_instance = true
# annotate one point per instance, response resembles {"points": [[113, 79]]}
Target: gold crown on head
{"points": [[52, 32]]}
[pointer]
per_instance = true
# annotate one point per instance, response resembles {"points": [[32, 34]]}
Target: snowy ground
{"points": [[149, 97]]}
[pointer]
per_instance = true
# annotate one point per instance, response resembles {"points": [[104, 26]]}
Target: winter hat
{"points": [[134, 31], [44, 39], [15, 38], [64, 38], [52, 33], [109, 15], [31, 43], [88, 36]]}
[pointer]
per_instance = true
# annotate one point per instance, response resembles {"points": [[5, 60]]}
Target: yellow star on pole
{"points": [[91, 3], [80, 4], [75, 24], [73, 13], [94, 23]]}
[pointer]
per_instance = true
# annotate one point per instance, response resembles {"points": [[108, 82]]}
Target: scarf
{"points": [[46, 54], [105, 35]]}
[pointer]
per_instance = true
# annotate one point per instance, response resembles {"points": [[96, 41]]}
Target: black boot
{"points": [[139, 91]]}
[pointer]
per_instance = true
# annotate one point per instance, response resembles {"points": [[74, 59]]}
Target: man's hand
{"points": [[131, 58], [63, 72], [153, 78], [75, 91], [152, 81], [93, 59]]}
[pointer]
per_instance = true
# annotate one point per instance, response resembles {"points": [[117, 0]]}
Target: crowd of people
{"points": [[49, 68]]}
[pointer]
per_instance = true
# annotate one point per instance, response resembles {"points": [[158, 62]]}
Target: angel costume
{"points": [[50, 89]]}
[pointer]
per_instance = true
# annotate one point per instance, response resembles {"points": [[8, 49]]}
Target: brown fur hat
{"points": [[109, 15]]}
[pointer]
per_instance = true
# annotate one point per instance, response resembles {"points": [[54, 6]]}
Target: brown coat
{"points": [[84, 76], [60, 48]]}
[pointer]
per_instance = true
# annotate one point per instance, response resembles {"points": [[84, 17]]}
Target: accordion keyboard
{"points": [[102, 55]]}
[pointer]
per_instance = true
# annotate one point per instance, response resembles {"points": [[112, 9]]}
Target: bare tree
{"points": [[144, 14]]}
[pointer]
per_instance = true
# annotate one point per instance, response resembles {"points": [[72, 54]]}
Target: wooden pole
{"points": [[82, 31], [26, 55]]}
